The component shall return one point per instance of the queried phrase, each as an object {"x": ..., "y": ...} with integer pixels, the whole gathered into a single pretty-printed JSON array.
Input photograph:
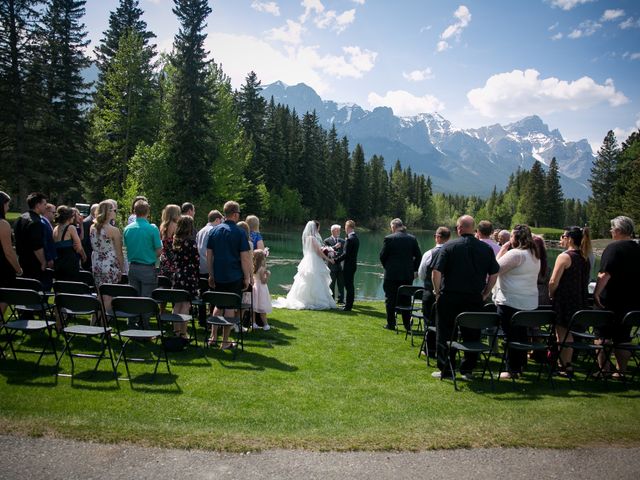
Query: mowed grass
[{"x": 318, "y": 381}]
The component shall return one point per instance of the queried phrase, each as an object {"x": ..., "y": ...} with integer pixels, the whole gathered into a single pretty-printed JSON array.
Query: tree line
[{"x": 171, "y": 127}]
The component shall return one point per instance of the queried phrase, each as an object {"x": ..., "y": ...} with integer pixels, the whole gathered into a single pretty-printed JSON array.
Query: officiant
[{"x": 335, "y": 269}]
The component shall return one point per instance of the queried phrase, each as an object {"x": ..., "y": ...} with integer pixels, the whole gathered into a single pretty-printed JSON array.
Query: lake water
[{"x": 286, "y": 252}]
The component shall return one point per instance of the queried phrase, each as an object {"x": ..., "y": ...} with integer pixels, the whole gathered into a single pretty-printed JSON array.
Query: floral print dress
[
  {"x": 103, "y": 258},
  {"x": 187, "y": 266},
  {"x": 167, "y": 258}
]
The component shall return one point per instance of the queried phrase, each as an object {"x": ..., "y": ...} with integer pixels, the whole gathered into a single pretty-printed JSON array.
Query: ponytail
[{"x": 585, "y": 245}]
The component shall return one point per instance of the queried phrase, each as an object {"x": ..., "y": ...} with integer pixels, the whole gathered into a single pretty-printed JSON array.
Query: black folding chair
[
  {"x": 583, "y": 327},
  {"x": 32, "y": 303},
  {"x": 198, "y": 305},
  {"x": 117, "y": 290},
  {"x": 164, "y": 281},
  {"x": 139, "y": 306},
  {"x": 33, "y": 284},
  {"x": 86, "y": 276},
  {"x": 226, "y": 301},
  {"x": 76, "y": 325},
  {"x": 631, "y": 320},
  {"x": 417, "y": 318},
  {"x": 539, "y": 324},
  {"x": 173, "y": 296},
  {"x": 429, "y": 331},
  {"x": 406, "y": 303},
  {"x": 73, "y": 288},
  {"x": 483, "y": 322}
]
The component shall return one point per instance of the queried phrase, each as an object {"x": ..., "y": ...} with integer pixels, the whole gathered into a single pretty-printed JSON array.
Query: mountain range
[{"x": 467, "y": 161}]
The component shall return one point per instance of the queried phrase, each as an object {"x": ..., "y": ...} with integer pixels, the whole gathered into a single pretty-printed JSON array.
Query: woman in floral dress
[
  {"x": 106, "y": 242},
  {"x": 170, "y": 216},
  {"x": 187, "y": 266}
]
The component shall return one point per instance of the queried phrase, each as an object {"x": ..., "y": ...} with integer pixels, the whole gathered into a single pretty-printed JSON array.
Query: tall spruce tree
[
  {"x": 531, "y": 207},
  {"x": 67, "y": 94},
  {"x": 125, "y": 115},
  {"x": 628, "y": 178},
  {"x": 554, "y": 197},
  {"x": 127, "y": 17},
  {"x": 603, "y": 184},
  {"x": 358, "y": 191},
  {"x": 18, "y": 44},
  {"x": 189, "y": 133}
]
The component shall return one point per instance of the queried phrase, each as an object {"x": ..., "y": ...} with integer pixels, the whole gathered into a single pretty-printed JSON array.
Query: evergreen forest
[{"x": 171, "y": 127}]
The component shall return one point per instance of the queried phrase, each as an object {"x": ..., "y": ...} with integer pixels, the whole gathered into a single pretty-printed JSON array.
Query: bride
[{"x": 310, "y": 290}]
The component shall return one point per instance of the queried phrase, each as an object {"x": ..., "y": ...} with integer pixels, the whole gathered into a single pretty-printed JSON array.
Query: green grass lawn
[{"x": 320, "y": 381}]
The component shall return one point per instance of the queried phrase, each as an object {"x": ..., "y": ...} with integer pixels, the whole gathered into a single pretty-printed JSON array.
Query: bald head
[{"x": 466, "y": 225}]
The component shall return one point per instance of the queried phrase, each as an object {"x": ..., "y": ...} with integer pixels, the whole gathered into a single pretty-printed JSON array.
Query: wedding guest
[
  {"x": 261, "y": 296},
  {"x": 69, "y": 251},
  {"x": 568, "y": 287},
  {"x": 425, "y": 270},
  {"x": 335, "y": 269},
  {"x": 77, "y": 223},
  {"x": 483, "y": 233},
  {"x": 50, "y": 255},
  {"x": 617, "y": 288},
  {"x": 132, "y": 216},
  {"x": 516, "y": 290},
  {"x": 86, "y": 239},
  {"x": 400, "y": 257},
  {"x": 29, "y": 236},
  {"x": 187, "y": 208},
  {"x": 254, "y": 227},
  {"x": 107, "y": 263},
  {"x": 349, "y": 259},
  {"x": 168, "y": 224},
  {"x": 187, "y": 267},
  {"x": 214, "y": 218},
  {"x": 9, "y": 265},
  {"x": 503, "y": 237}
]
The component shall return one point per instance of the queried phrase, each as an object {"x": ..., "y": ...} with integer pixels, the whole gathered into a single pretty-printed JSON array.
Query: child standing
[{"x": 261, "y": 296}]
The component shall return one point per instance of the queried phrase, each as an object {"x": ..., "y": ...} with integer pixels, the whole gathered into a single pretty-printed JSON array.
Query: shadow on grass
[
  {"x": 366, "y": 310},
  {"x": 249, "y": 360},
  {"x": 22, "y": 372},
  {"x": 149, "y": 383}
]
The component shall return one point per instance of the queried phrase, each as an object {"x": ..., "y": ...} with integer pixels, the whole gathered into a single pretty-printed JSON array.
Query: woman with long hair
[
  {"x": 516, "y": 290},
  {"x": 568, "y": 287},
  {"x": 68, "y": 245},
  {"x": 107, "y": 259},
  {"x": 9, "y": 266},
  {"x": 187, "y": 266},
  {"x": 169, "y": 221}
]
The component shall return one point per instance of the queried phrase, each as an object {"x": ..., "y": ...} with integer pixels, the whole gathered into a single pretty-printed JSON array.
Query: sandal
[
  {"x": 211, "y": 342},
  {"x": 567, "y": 371},
  {"x": 228, "y": 346}
]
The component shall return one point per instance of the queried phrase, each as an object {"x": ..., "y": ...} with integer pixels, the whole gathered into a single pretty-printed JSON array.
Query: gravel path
[{"x": 47, "y": 458}]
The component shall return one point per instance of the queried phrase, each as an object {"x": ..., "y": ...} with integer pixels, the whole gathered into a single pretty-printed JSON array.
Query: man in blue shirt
[{"x": 228, "y": 261}]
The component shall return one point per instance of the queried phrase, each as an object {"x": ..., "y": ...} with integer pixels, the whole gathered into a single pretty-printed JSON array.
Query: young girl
[{"x": 261, "y": 296}]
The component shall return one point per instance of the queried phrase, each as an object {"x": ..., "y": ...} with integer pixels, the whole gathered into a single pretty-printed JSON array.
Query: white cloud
[
  {"x": 404, "y": 103},
  {"x": 267, "y": 7},
  {"x": 240, "y": 54},
  {"x": 453, "y": 31},
  {"x": 359, "y": 2},
  {"x": 553, "y": 27},
  {"x": 557, "y": 36},
  {"x": 290, "y": 33},
  {"x": 585, "y": 29},
  {"x": 354, "y": 63},
  {"x": 419, "y": 75},
  {"x": 611, "y": 14},
  {"x": 425, "y": 29},
  {"x": 623, "y": 133},
  {"x": 630, "y": 23},
  {"x": 311, "y": 6},
  {"x": 631, "y": 56},
  {"x": 331, "y": 19},
  {"x": 519, "y": 93},
  {"x": 568, "y": 4}
]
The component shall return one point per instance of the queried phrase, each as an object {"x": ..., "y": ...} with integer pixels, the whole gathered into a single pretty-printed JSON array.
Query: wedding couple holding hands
[{"x": 313, "y": 285}]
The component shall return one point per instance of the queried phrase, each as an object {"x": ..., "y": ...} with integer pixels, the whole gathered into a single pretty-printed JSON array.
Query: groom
[{"x": 350, "y": 258}]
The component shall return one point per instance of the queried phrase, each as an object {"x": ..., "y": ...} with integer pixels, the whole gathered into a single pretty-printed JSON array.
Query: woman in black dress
[
  {"x": 186, "y": 260},
  {"x": 9, "y": 266},
  {"x": 568, "y": 286}
]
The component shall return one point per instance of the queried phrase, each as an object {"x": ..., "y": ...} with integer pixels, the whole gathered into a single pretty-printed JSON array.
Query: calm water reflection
[{"x": 286, "y": 253}]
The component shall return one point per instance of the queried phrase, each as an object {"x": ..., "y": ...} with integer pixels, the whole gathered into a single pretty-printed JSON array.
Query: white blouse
[{"x": 517, "y": 285}]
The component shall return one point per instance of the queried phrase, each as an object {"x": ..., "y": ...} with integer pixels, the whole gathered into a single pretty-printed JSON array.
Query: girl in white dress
[
  {"x": 261, "y": 296},
  {"x": 310, "y": 290}
]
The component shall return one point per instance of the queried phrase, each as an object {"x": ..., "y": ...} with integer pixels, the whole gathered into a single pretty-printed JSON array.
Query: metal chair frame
[{"x": 225, "y": 301}]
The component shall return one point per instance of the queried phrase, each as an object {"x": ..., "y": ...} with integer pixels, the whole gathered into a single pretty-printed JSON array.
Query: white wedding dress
[{"x": 310, "y": 289}]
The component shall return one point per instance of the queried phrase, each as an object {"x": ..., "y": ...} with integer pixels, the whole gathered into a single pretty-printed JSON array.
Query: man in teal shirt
[{"x": 142, "y": 240}]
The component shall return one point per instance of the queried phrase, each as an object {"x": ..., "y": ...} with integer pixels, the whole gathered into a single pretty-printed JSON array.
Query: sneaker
[
  {"x": 467, "y": 376},
  {"x": 256, "y": 326},
  {"x": 439, "y": 374},
  {"x": 266, "y": 328}
]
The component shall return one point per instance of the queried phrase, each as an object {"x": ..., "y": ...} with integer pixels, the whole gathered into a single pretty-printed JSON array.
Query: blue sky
[{"x": 576, "y": 63}]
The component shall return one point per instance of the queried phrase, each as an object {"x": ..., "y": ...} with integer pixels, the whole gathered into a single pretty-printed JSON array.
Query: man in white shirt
[
  {"x": 214, "y": 218},
  {"x": 483, "y": 233},
  {"x": 427, "y": 263}
]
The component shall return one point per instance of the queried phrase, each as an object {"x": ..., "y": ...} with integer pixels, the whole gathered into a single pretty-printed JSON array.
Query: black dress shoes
[
  {"x": 388, "y": 327},
  {"x": 346, "y": 309}
]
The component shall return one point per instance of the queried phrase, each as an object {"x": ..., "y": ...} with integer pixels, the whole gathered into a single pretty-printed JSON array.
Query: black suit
[
  {"x": 350, "y": 259},
  {"x": 400, "y": 256},
  {"x": 335, "y": 269},
  {"x": 86, "y": 241}
]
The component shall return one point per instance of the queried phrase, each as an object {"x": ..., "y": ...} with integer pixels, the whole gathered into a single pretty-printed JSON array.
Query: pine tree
[
  {"x": 124, "y": 19},
  {"x": 531, "y": 206},
  {"x": 603, "y": 184},
  {"x": 124, "y": 116},
  {"x": 18, "y": 43},
  {"x": 628, "y": 181},
  {"x": 67, "y": 95},
  {"x": 189, "y": 132},
  {"x": 554, "y": 198},
  {"x": 358, "y": 192}
]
